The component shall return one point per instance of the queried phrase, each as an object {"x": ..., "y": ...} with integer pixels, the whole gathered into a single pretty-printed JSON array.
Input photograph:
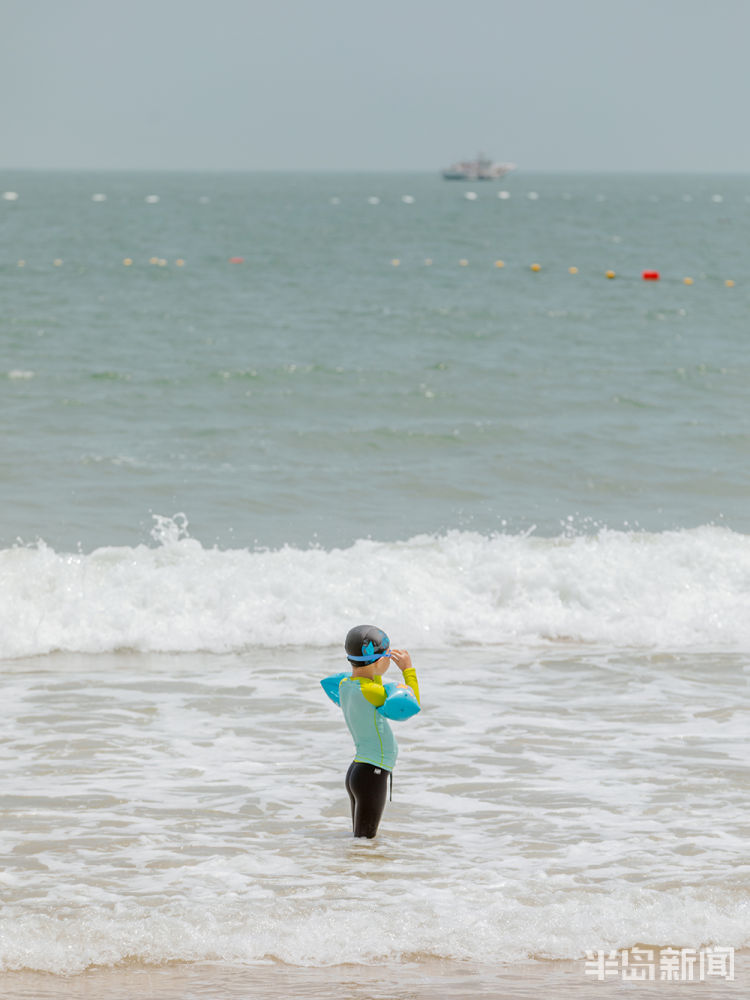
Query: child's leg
[
  {"x": 347, "y": 781},
  {"x": 368, "y": 788}
]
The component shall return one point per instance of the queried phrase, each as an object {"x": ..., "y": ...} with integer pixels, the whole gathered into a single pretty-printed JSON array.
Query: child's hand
[{"x": 401, "y": 658}]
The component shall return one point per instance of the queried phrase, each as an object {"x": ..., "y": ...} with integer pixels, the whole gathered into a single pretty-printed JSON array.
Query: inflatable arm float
[{"x": 399, "y": 703}]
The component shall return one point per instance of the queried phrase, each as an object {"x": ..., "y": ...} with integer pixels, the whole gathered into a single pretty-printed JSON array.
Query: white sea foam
[
  {"x": 547, "y": 801},
  {"x": 676, "y": 589},
  {"x": 483, "y": 927}
]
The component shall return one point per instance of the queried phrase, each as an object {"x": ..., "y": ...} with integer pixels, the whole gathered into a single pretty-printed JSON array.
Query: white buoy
[
  {"x": 471, "y": 196},
  {"x": 408, "y": 199},
  {"x": 373, "y": 200},
  {"x": 98, "y": 197},
  {"x": 152, "y": 199},
  {"x": 504, "y": 195},
  {"x": 10, "y": 195},
  {"x": 533, "y": 196}
]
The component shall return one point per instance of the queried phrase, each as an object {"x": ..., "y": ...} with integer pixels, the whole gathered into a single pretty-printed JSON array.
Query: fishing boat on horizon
[{"x": 481, "y": 169}]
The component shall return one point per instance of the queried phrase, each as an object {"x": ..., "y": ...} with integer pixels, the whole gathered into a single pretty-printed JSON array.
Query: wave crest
[{"x": 674, "y": 589}]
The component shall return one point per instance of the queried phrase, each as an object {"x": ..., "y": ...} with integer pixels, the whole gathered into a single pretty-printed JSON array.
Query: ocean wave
[
  {"x": 676, "y": 589},
  {"x": 422, "y": 924}
]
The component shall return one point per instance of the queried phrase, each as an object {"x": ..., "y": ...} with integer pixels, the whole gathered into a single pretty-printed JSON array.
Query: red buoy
[
  {"x": 650, "y": 275},
  {"x": 236, "y": 260}
]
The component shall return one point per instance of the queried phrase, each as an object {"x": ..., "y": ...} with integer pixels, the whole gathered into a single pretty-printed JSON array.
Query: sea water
[{"x": 243, "y": 417}]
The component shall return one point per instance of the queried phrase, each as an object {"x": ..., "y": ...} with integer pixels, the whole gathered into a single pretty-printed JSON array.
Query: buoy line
[
  {"x": 649, "y": 275},
  {"x": 471, "y": 197}
]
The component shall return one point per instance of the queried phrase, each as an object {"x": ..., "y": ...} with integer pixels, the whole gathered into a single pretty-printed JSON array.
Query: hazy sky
[{"x": 392, "y": 84}]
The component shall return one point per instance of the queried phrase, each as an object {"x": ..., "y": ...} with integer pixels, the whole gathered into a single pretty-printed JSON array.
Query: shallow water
[
  {"x": 162, "y": 808},
  {"x": 417, "y": 980}
]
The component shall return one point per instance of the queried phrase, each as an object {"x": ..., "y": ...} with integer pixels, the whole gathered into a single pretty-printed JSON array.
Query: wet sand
[{"x": 414, "y": 981}]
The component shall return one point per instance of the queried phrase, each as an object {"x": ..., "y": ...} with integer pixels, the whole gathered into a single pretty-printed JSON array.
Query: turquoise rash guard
[{"x": 373, "y": 737}]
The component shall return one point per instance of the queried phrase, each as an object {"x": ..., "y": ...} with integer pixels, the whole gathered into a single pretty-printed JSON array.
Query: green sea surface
[{"x": 350, "y": 377}]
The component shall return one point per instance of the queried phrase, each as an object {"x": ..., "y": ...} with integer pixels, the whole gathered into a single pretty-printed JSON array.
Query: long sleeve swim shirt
[{"x": 360, "y": 697}]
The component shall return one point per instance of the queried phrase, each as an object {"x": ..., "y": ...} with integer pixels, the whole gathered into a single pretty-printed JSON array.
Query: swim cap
[{"x": 365, "y": 644}]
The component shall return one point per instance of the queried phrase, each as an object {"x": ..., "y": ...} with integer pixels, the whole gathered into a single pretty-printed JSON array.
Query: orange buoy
[
  {"x": 236, "y": 260},
  {"x": 650, "y": 275}
]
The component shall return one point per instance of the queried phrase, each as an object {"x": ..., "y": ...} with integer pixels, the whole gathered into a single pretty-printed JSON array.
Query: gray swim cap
[{"x": 366, "y": 644}]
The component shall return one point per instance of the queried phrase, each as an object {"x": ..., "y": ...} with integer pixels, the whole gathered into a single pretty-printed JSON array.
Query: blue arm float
[
  {"x": 331, "y": 686},
  {"x": 400, "y": 702}
]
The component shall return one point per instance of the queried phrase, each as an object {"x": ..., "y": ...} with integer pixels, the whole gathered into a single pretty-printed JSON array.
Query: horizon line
[{"x": 431, "y": 171}]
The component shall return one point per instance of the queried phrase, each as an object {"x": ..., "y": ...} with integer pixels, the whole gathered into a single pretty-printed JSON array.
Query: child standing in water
[{"x": 375, "y": 748}]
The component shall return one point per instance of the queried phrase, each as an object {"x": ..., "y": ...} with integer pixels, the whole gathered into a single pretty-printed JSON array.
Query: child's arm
[
  {"x": 373, "y": 690},
  {"x": 331, "y": 686},
  {"x": 403, "y": 661}
]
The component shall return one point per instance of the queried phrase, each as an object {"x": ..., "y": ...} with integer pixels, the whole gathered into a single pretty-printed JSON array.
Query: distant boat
[{"x": 481, "y": 169}]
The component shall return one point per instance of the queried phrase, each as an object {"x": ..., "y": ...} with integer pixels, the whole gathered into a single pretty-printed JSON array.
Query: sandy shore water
[
  {"x": 419, "y": 980},
  {"x": 156, "y": 818}
]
